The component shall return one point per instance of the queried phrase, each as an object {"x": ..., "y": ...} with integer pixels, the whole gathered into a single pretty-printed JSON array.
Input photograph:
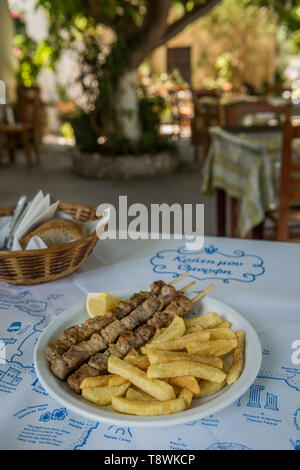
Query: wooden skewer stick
[
  {"x": 187, "y": 286},
  {"x": 202, "y": 294},
  {"x": 178, "y": 279}
]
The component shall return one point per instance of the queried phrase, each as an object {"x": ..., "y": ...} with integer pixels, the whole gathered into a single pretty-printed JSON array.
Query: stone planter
[{"x": 125, "y": 167}]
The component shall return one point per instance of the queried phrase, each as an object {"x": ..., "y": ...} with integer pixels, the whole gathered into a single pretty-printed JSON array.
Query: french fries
[
  {"x": 182, "y": 368},
  {"x": 224, "y": 324},
  {"x": 156, "y": 388},
  {"x": 209, "y": 320},
  {"x": 142, "y": 362},
  {"x": 116, "y": 380},
  {"x": 156, "y": 356},
  {"x": 175, "y": 330},
  {"x": 99, "y": 381},
  {"x": 187, "y": 382},
  {"x": 238, "y": 359},
  {"x": 209, "y": 388},
  {"x": 144, "y": 408},
  {"x": 221, "y": 333},
  {"x": 187, "y": 397},
  {"x": 218, "y": 347},
  {"x": 178, "y": 344},
  {"x": 194, "y": 329},
  {"x": 103, "y": 395},
  {"x": 133, "y": 394},
  {"x": 181, "y": 362}
]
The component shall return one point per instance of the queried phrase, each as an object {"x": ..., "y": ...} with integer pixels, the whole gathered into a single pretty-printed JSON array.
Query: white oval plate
[{"x": 200, "y": 408}]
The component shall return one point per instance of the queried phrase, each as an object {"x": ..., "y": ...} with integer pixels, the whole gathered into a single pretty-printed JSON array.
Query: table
[
  {"x": 259, "y": 279},
  {"x": 247, "y": 167},
  {"x": 210, "y": 111}
]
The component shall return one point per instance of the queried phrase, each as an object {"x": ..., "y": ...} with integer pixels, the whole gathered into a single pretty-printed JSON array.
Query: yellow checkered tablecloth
[{"x": 246, "y": 166}]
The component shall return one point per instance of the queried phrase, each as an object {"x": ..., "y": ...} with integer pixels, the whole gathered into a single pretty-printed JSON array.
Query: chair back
[
  {"x": 230, "y": 115},
  {"x": 28, "y": 103},
  {"x": 203, "y": 117},
  {"x": 289, "y": 180},
  {"x": 199, "y": 94}
]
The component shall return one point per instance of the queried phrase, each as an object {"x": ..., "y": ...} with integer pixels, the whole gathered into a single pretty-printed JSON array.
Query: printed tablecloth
[
  {"x": 246, "y": 167},
  {"x": 259, "y": 279}
]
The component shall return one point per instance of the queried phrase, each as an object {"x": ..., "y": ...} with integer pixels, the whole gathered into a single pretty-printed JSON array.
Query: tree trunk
[{"x": 127, "y": 106}]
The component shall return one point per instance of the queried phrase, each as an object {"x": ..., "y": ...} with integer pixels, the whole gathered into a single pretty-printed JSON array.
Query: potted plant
[{"x": 65, "y": 105}]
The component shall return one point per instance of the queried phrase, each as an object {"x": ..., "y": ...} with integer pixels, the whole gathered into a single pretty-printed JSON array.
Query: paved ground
[{"x": 55, "y": 176}]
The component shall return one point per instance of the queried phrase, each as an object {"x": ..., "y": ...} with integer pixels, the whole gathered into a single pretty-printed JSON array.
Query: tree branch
[
  {"x": 98, "y": 15},
  {"x": 154, "y": 26},
  {"x": 179, "y": 25}
]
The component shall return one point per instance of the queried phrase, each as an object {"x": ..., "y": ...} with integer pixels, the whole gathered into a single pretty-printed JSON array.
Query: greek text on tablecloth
[{"x": 209, "y": 263}]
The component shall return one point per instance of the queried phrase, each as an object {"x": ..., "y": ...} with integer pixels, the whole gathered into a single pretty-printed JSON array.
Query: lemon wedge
[{"x": 100, "y": 303}]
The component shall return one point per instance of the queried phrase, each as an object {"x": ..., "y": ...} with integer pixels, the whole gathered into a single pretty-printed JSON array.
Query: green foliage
[
  {"x": 32, "y": 56},
  {"x": 101, "y": 70},
  {"x": 100, "y": 74},
  {"x": 151, "y": 108},
  {"x": 288, "y": 12},
  {"x": 239, "y": 34},
  {"x": 63, "y": 93},
  {"x": 66, "y": 130},
  {"x": 86, "y": 130}
]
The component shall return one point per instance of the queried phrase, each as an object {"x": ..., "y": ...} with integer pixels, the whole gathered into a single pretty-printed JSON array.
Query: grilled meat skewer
[
  {"x": 97, "y": 364},
  {"x": 77, "y": 334},
  {"x": 79, "y": 353}
]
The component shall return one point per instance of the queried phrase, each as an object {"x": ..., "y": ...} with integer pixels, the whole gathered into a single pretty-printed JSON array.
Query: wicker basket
[{"x": 27, "y": 267}]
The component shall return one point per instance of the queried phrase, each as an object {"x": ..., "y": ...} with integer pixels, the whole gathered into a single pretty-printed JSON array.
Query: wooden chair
[
  {"x": 21, "y": 134},
  {"x": 287, "y": 217},
  {"x": 201, "y": 121},
  {"x": 230, "y": 116}
]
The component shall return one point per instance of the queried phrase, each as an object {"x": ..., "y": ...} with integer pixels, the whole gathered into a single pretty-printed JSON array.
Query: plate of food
[{"x": 151, "y": 359}]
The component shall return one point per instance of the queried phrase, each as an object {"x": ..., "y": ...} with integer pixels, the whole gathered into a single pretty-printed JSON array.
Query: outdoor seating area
[
  {"x": 187, "y": 126},
  {"x": 149, "y": 227},
  {"x": 256, "y": 154}
]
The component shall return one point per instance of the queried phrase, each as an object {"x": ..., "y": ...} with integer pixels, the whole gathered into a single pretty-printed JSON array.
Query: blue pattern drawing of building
[
  {"x": 10, "y": 377},
  {"x": 271, "y": 402},
  {"x": 254, "y": 396}
]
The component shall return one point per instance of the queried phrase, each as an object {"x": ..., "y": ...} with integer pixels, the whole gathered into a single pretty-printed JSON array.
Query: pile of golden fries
[{"x": 195, "y": 357}]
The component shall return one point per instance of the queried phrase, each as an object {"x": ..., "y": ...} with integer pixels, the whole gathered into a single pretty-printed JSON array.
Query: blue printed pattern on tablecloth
[
  {"x": 42, "y": 423},
  {"x": 209, "y": 263}
]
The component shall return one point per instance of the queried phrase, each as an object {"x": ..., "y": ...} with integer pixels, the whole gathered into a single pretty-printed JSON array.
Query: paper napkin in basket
[{"x": 39, "y": 210}]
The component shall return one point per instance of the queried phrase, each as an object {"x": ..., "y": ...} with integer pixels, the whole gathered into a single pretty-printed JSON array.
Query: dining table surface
[{"x": 259, "y": 279}]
